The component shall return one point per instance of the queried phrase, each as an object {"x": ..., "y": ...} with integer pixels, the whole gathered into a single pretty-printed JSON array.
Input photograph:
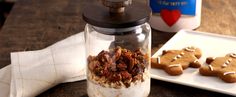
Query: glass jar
[
  {"x": 118, "y": 48},
  {"x": 118, "y": 61}
]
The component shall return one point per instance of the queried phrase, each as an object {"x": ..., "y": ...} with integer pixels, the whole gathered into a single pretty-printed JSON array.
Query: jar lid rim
[{"x": 98, "y": 15}]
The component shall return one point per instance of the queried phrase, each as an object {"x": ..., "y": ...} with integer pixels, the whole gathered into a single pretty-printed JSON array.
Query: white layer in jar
[{"x": 136, "y": 89}]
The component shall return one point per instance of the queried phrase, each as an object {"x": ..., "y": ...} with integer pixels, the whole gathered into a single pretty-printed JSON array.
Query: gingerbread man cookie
[
  {"x": 175, "y": 61},
  {"x": 223, "y": 67}
]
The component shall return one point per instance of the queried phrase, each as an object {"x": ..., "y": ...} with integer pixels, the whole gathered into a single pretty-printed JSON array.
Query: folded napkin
[{"x": 33, "y": 72}]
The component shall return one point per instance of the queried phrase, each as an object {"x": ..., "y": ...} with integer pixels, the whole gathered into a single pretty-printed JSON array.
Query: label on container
[{"x": 185, "y": 7}]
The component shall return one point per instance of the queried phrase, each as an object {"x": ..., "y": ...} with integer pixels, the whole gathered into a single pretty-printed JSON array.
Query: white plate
[{"x": 212, "y": 45}]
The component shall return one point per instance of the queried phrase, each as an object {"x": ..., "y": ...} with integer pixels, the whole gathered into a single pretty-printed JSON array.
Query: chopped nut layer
[{"x": 118, "y": 66}]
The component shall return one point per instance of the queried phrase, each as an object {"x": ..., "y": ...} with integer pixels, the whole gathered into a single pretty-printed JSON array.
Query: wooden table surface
[{"x": 36, "y": 24}]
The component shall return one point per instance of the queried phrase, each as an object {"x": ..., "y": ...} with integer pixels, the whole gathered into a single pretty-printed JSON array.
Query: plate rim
[{"x": 184, "y": 31}]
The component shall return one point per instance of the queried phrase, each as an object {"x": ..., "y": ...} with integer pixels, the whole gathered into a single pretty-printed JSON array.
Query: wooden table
[{"x": 36, "y": 24}]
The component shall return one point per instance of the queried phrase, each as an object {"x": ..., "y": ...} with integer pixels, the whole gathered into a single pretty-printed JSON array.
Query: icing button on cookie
[
  {"x": 177, "y": 57},
  {"x": 226, "y": 63}
]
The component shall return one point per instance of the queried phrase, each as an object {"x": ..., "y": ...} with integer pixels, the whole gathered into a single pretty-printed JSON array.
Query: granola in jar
[{"x": 120, "y": 70}]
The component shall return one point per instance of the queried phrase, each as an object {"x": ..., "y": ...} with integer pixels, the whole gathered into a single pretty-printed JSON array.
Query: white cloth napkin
[{"x": 33, "y": 72}]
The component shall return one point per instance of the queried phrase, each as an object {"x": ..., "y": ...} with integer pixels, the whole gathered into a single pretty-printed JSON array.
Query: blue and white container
[{"x": 174, "y": 15}]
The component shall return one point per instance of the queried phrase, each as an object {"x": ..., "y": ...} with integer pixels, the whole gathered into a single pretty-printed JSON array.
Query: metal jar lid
[{"x": 116, "y": 14}]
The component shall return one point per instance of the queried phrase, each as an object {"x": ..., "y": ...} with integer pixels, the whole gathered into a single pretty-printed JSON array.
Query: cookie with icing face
[
  {"x": 175, "y": 61},
  {"x": 223, "y": 67}
]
